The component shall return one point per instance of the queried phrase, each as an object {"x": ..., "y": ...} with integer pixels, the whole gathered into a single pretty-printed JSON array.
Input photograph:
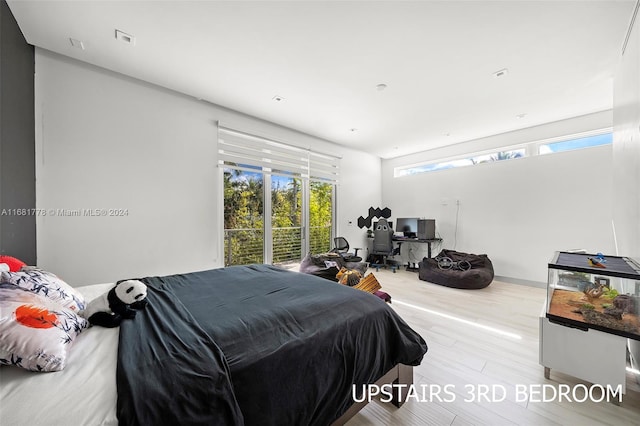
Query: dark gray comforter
[{"x": 254, "y": 345}]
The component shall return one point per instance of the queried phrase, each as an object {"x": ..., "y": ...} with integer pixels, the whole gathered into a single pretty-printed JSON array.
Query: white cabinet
[{"x": 597, "y": 357}]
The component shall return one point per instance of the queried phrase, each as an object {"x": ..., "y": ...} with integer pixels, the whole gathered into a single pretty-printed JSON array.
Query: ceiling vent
[{"x": 125, "y": 38}]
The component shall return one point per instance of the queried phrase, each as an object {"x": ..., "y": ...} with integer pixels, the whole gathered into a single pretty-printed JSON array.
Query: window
[
  {"x": 278, "y": 199},
  {"x": 578, "y": 143},
  {"x": 321, "y": 208},
  {"x": 460, "y": 162},
  {"x": 243, "y": 217},
  {"x": 561, "y": 144}
]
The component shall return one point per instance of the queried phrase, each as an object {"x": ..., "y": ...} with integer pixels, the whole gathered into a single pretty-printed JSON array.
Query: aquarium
[{"x": 598, "y": 292}]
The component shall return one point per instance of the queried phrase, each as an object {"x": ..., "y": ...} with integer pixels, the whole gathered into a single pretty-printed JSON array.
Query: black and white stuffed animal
[{"x": 121, "y": 302}]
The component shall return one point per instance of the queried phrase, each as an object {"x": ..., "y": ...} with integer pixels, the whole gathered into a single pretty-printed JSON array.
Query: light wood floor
[{"x": 466, "y": 357}]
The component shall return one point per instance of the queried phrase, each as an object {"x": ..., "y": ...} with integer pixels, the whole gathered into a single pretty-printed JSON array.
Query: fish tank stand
[
  {"x": 591, "y": 355},
  {"x": 592, "y": 308}
]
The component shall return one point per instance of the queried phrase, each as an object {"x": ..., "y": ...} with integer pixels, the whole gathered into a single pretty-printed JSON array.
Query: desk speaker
[{"x": 426, "y": 229}]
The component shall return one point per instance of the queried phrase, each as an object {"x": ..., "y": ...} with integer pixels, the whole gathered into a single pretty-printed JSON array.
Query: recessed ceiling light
[
  {"x": 76, "y": 43},
  {"x": 278, "y": 98},
  {"x": 501, "y": 73},
  {"x": 125, "y": 38},
  {"x": 380, "y": 87}
]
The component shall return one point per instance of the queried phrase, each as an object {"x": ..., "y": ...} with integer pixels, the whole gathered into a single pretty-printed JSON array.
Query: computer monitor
[{"x": 408, "y": 226}]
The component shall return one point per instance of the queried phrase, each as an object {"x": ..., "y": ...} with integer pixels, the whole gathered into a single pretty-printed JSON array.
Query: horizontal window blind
[
  {"x": 323, "y": 167},
  {"x": 249, "y": 152}
]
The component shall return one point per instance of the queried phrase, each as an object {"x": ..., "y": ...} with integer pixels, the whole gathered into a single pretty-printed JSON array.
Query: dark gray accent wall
[{"x": 17, "y": 141}]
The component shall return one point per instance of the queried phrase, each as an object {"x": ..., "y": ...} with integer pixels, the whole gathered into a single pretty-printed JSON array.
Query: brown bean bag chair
[{"x": 478, "y": 276}]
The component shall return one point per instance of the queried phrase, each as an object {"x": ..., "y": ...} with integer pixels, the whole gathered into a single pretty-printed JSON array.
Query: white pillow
[
  {"x": 37, "y": 332},
  {"x": 46, "y": 284}
]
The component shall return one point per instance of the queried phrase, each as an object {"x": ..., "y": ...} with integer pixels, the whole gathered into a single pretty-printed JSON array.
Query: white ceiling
[{"x": 325, "y": 58}]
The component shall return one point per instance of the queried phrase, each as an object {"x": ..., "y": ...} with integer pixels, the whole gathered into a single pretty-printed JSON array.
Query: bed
[{"x": 238, "y": 345}]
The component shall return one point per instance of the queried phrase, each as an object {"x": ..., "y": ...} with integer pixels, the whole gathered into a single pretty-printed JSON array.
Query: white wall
[
  {"x": 360, "y": 177},
  {"x": 106, "y": 141},
  {"x": 626, "y": 148},
  {"x": 518, "y": 212},
  {"x": 626, "y": 156}
]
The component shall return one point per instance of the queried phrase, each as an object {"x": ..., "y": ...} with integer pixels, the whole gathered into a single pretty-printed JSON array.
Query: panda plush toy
[{"x": 120, "y": 302}]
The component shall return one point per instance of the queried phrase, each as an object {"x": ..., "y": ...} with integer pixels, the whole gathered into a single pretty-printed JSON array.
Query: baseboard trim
[{"x": 519, "y": 281}]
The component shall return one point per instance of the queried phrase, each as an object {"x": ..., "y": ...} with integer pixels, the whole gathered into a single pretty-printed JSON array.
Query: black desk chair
[
  {"x": 383, "y": 245},
  {"x": 342, "y": 248}
]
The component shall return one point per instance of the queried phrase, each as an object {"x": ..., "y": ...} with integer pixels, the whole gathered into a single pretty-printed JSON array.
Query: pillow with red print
[{"x": 37, "y": 332}]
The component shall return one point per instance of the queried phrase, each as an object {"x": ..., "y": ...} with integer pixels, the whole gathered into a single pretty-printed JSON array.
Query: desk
[
  {"x": 428, "y": 242},
  {"x": 400, "y": 240},
  {"x": 415, "y": 240}
]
